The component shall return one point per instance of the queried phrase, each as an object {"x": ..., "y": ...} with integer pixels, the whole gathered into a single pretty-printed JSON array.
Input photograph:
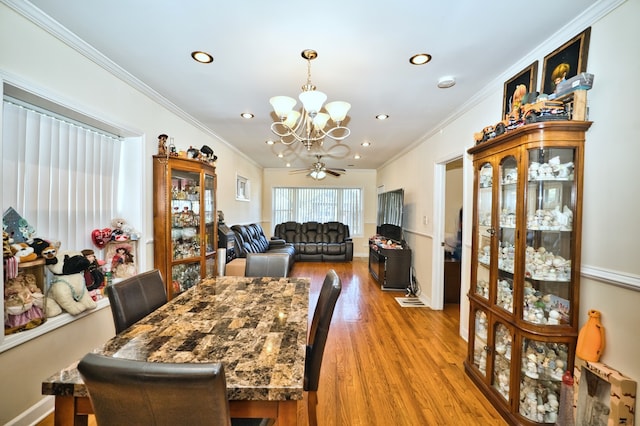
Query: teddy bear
[{"x": 67, "y": 290}]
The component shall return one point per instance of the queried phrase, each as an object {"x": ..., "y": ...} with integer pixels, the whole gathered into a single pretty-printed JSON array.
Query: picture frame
[
  {"x": 574, "y": 54},
  {"x": 528, "y": 77},
  {"x": 242, "y": 188}
]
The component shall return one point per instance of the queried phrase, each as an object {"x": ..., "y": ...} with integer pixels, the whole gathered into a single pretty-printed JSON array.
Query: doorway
[{"x": 452, "y": 242}]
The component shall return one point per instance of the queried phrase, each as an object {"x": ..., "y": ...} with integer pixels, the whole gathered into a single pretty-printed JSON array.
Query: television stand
[{"x": 390, "y": 263}]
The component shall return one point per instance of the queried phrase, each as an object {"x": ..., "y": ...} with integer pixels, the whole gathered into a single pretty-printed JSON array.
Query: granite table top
[{"x": 257, "y": 327}]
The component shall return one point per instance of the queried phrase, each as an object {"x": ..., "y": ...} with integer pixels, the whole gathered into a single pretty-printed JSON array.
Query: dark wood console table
[{"x": 390, "y": 264}]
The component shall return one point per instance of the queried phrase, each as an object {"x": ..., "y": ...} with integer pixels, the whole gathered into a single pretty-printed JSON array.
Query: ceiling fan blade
[
  {"x": 331, "y": 172},
  {"x": 299, "y": 171},
  {"x": 336, "y": 169}
]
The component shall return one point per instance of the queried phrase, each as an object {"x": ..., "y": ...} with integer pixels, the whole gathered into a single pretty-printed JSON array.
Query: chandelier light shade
[{"x": 308, "y": 125}]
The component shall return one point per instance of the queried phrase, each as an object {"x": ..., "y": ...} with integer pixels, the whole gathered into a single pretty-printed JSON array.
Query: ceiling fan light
[
  {"x": 312, "y": 100},
  {"x": 282, "y": 105},
  {"x": 292, "y": 119},
  {"x": 337, "y": 110},
  {"x": 320, "y": 120},
  {"x": 321, "y": 175}
]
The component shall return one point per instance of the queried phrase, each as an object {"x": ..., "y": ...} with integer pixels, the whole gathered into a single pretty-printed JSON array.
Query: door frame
[{"x": 439, "y": 194}]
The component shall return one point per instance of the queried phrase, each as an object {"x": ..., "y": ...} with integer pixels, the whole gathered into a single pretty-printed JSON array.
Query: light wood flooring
[{"x": 388, "y": 365}]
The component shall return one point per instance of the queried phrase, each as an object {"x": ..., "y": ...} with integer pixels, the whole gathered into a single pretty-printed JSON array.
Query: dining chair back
[
  {"x": 131, "y": 392},
  {"x": 136, "y": 297},
  {"x": 331, "y": 288},
  {"x": 267, "y": 265}
]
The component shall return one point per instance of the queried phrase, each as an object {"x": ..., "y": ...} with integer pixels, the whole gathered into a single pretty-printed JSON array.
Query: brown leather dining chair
[
  {"x": 128, "y": 392},
  {"x": 267, "y": 265},
  {"x": 318, "y": 333},
  {"x": 136, "y": 297}
]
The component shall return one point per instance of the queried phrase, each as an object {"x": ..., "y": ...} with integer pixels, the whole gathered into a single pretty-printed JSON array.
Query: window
[
  {"x": 319, "y": 205},
  {"x": 64, "y": 175}
]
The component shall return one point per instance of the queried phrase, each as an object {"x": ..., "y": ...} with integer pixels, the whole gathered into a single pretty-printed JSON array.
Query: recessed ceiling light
[
  {"x": 280, "y": 155},
  {"x": 246, "y": 115},
  {"x": 270, "y": 142},
  {"x": 420, "y": 59},
  {"x": 356, "y": 157},
  {"x": 382, "y": 116},
  {"x": 365, "y": 144},
  {"x": 446, "y": 82},
  {"x": 288, "y": 164},
  {"x": 202, "y": 57}
]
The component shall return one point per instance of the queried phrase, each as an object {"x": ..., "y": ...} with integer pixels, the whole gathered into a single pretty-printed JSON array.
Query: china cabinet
[
  {"x": 525, "y": 267},
  {"x": 184, "y": 221}
]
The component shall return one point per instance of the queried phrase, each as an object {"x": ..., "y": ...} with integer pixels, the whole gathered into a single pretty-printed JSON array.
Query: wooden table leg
[
  {"x": 66, "y": 413},
  {"x": 287, "y": 413}
]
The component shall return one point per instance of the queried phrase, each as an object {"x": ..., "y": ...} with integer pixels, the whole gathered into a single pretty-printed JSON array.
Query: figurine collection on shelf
[
  {"x": 502, "y": 361},
  {"x": 543, "y": 365},
  {"x": 185, "y": 276},
  {"x": 480, "y": 353}
]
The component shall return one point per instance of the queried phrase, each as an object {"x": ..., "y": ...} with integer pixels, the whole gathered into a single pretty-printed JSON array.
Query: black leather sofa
[
  {"x": 314, "y": 241},
  {"x": 251, "y": 239}
]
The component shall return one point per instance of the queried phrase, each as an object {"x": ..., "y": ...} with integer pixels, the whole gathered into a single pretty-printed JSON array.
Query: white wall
[
  {"x": 58, "y": 72},
  {"x": 610, "y": 204}
]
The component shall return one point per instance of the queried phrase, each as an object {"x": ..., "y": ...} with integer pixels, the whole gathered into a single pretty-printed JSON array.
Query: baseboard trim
[{"x": 36, "y": 413}]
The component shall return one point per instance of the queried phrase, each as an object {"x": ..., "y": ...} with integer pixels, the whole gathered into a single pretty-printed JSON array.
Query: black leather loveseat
[
  {"x": 314, "y": 241},
  {"x": 251, "y": 239}
]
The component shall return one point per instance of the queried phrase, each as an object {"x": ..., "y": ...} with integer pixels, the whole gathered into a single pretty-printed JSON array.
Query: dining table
[{"x": 255, "y": 326}]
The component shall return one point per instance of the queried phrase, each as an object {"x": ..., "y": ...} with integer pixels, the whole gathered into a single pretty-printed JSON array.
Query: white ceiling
[{"x": 363, "y": 49}]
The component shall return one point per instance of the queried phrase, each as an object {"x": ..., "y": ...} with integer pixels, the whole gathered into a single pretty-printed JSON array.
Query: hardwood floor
[{"x": 388, "y": 365}]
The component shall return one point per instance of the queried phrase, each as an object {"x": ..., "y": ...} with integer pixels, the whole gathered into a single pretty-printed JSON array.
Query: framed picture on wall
[
  {"x": 242, "y": 188},
  {"x": 518, "y": 86},
  {"x": 565, "y": 62}
]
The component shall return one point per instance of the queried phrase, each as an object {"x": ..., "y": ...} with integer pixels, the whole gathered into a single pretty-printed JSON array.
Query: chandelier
[{"x": 308, "y": 125}]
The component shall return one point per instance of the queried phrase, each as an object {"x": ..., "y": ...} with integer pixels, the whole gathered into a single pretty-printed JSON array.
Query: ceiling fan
[{"x": 319, "y": 170}]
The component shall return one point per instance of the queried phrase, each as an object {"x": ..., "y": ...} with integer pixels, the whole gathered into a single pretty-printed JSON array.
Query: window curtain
[
  {"x": 319, "y": 205},
  {"x": 61, "y": 177}
]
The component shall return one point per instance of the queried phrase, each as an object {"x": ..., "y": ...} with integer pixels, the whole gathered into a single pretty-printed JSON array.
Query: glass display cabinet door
[
  {"x": 550, "y": 203},
  {"x": 480, "y": 345},
  {"x": 506, "y": 232},
  {"x": 210, "y": 225},
  {"x": 185, "y": 214},
  {"x": 185, "y": 276},
  {"x": 485, "y": 230},
  {"x": 209, "y": 214},
  {"x": 502, "y": 339},
  {"x": 542, "y": 366}
]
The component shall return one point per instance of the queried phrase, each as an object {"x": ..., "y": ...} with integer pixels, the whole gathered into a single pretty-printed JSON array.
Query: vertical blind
[
  {"x": 63, "y": 177},
  {"x": 319, "y": 205}
]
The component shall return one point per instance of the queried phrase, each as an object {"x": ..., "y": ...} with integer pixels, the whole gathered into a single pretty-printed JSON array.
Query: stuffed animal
[
  {"x": 23, "y": 304},
  {"x": 6, "y": 246},
  {"x": 24, "y": 252},
  {"x": 67, "y": 290}
]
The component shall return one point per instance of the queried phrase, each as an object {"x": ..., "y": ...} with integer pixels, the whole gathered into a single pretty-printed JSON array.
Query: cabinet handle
[
  {"x": 487, "y": 349},
  {"x": 491, "y": 231}
]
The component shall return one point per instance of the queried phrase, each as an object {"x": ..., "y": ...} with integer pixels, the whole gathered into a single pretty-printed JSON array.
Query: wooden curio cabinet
[
  {"x": 184, "y": 221},
  {"x": 525, "y": 267}
]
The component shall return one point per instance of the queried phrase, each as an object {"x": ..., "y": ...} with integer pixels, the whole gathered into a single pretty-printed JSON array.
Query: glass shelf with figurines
[
  {"x": 542, "y": 366},
  {"x": 503, "y": 338},
  {"x": 185, "y": 276},
  {"x": 480, "y": 341}
]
